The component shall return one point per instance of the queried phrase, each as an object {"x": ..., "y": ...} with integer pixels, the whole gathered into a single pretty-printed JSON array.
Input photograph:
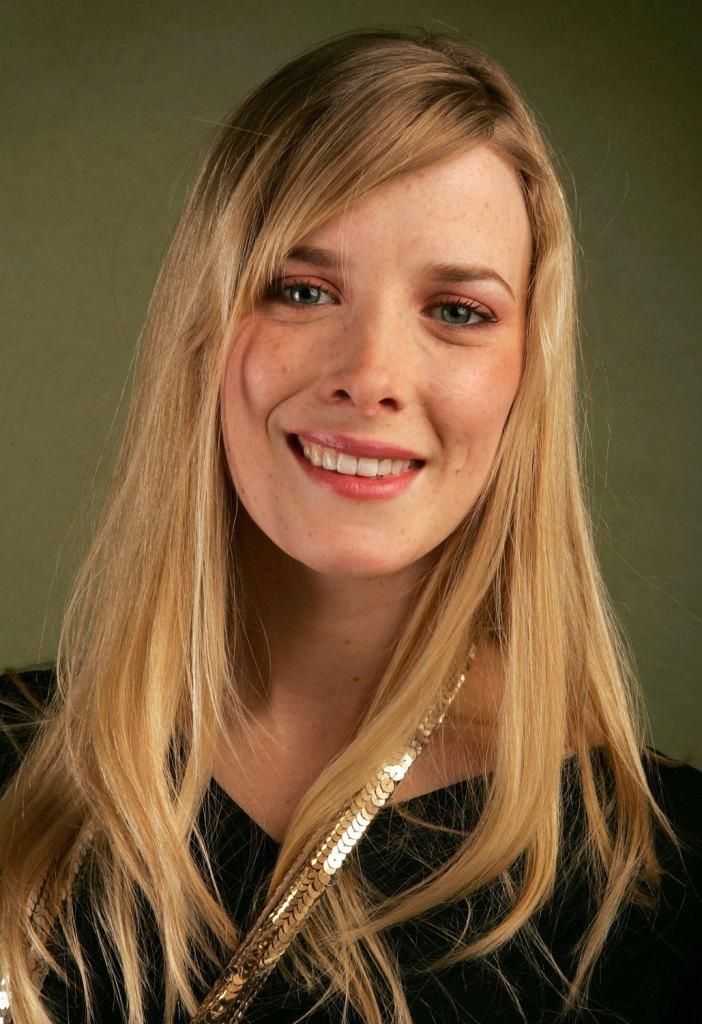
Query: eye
[
  {"x": 464, "y": 313},
  {"x": 306, "y": 291}
]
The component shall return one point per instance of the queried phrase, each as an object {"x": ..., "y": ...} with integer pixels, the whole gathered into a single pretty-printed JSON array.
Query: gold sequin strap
[
  {"x": 285, "y": 912},
  {"x": 43, "y": 909}
]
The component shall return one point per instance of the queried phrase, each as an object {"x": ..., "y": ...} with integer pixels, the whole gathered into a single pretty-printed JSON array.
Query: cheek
[
  {"x": 248, "y": 393},
  {"x": 253, "y": 375},
  {"x": 474, "y": 405},
  {"x": 257, "y": 378}
]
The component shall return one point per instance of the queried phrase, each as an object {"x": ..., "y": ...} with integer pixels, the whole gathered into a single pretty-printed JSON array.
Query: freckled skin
[{"x": 374, "y": 359}]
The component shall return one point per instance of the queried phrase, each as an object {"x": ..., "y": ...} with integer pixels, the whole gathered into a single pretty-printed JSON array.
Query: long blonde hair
[{"x": 153, "y": 633}]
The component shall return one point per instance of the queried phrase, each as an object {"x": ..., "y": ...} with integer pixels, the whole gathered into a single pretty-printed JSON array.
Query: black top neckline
[
  {"x": 439, "y": 794},
  {"x": 433, "y": 794}
]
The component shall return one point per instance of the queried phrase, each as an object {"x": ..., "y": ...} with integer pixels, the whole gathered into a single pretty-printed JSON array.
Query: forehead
[{"x": 469, "y": 207}]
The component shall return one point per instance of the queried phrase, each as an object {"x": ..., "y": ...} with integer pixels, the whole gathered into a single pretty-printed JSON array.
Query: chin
[{"x": 355, "y": 562}]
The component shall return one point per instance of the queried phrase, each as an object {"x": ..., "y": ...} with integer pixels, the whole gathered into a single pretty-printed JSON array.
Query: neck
[{"x": 319, "y": 642}]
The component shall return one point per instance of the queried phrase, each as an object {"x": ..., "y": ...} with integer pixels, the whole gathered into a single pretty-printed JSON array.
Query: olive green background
[{"x": 107, "y": 108}]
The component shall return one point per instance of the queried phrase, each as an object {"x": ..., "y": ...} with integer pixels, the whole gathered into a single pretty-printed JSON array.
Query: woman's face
[{"x": 375, "y": 340}]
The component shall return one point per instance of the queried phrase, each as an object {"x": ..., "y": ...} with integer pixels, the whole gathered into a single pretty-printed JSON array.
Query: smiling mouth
[{"x": 350, "y": 465}]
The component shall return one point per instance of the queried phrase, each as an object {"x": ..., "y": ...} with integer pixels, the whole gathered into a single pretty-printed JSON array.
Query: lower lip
[{"x": 363, "y": 487}]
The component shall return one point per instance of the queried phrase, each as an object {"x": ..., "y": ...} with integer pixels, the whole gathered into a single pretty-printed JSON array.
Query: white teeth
[
  {"x": 349, "y": 465},
  {"x": 329, "y": 459},
  {"x": 346, "y": 464}
]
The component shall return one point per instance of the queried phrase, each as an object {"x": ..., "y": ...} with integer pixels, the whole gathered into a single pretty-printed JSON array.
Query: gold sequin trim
[{"x": 42, "y": 912}]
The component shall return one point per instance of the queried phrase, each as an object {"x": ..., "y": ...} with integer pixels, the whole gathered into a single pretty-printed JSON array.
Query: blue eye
[
  {"x": 470, "y": 308},
  {"x": 279, "y": 288}
]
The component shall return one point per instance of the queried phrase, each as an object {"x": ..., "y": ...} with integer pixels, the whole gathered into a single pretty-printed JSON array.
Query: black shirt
[{"x": 647, "y": 973}]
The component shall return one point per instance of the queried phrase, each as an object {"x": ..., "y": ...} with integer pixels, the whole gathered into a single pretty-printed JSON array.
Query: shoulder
[
  {"x": 677, "y": 787},
  {"x": 24, "y": 696},
  {"x": 652, "y": 959},
  {"x": 675, "y": 784}
]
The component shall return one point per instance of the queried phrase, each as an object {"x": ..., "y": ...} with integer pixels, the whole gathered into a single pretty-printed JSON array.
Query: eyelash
[{"x": 275, "y": 291}]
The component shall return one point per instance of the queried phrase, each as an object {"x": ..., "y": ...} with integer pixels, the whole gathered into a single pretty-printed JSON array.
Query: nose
[{"x": 369, "y": 369}]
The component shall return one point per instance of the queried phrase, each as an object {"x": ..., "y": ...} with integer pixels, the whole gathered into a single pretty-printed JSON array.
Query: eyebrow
[{"x": 451, "y": 273}]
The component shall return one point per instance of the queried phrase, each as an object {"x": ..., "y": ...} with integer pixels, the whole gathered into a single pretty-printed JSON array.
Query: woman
[{"x": 349, "y": 492}]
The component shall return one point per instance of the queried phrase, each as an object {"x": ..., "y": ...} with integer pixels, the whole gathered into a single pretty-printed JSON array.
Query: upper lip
[{"x": 358, "y": 446}]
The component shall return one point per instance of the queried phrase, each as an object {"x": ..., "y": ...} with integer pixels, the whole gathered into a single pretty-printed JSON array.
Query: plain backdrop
[{"x": 106, "y": 112}]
